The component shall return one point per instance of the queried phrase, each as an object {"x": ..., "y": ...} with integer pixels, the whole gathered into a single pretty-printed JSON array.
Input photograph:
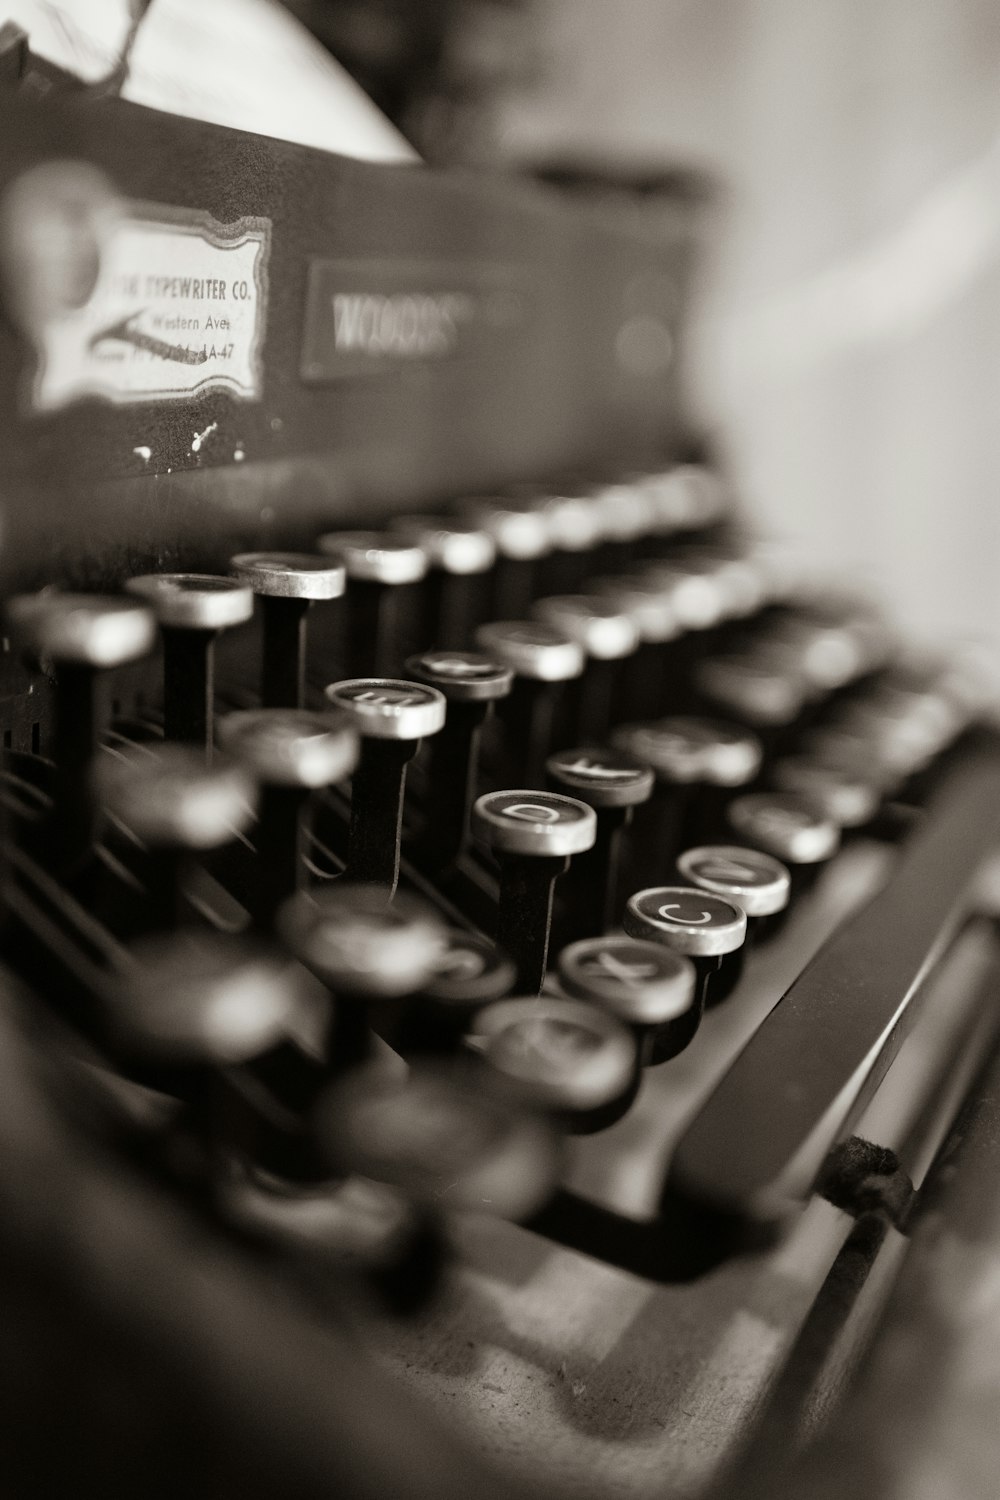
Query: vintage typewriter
[{"x": 497, "y": 956}]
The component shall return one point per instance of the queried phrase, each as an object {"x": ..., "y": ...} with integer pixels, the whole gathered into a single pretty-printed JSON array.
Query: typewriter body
[{"x": 309, "y": 1189}]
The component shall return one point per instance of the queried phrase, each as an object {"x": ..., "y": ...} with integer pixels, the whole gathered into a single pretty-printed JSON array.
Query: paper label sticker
[{"x": 179, "y": 308}]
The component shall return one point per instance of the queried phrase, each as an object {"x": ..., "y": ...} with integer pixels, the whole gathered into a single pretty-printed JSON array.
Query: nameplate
[{"x": 366, "y": 318}]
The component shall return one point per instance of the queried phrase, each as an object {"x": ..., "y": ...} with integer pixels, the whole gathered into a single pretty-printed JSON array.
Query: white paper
[{"x": 247, "y": 64}]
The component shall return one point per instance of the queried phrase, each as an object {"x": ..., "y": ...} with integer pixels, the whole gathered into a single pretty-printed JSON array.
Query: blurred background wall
[{"x": 849, "y": 325}]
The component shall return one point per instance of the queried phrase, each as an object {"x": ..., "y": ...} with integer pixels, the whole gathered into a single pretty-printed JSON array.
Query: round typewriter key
[
  {"x": 532, "y": 835},
  {"x": 642, "y": 687},
  {"x": 379, "y": 565},
  {"x": 199, "y": 1011},
  {"x": 692, "y": 496},
  {"x": 292, "y": 753},
  {"x": 844, "y": 748},
  {"x": 574, "y": 529},
  {"x": 191, "y": 608},
  {"x": 392, "y": 716},
  {"x": 647, "y": 986},
  {"x": 462, "y": 676},
  {"x": 747, "y": 877},
  {"x": 376, "y": 556},
  {"x": 370, "y": 954},
  {"x": 602, "y": 628},
  {"x": 356, "y": 1226},
  {"x": 696, "y": 597},
  {"x": 534, "y": 823},
  {"x": 389, "y": 708},
  {"x": 360, "y": 945},
  {"x": 571, "y": 1059},
  {"x": 742, "y": 577},
  {"x": 532, "y": 650},
  {"x": 207, "y": 998},
  {"x": 97, "y": 631},
  {"x": 470, "y": 973},
  {"x": 459, "y": 554},
  {"x": 698, "y": 763},
  {"x": 521, "y": 535},
  {"x": 518, "y": 528},
  {"x": 442, "y": 1137},
  {"x": 84, "y": 637},
  {"x": 649, "y": 606},
  {"x": 543, "y": 660},
  {"x": 608, "y": 635},
  {"x": 470, "y": 682},
  {"x": 848, "y": 800},
  {"x": 287, "y": 584},
  {"x": 791, "y": 828},
  {"x": 625, "y": 514},
  {"x": 166, "y": 795},
  {"x": 785, "y": 825},
  {"x": 826, "y": 656},
  {"x": 702, "y": 926},
  {"x": 177, "y": 807},
  {"x": 764, "y": 695},
  {"x": 292, "y": 747},
  {"x": 755, "y": 881},
  {"x": 451, "y": 545},
  {"x": 612, "y": 783}
]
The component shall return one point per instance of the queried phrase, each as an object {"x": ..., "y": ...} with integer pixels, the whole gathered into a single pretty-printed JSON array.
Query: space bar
[{"x": 757, "y": 1145}]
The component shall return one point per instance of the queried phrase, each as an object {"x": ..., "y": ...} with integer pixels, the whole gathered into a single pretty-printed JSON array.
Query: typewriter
[{"x": 498, "y": 956}]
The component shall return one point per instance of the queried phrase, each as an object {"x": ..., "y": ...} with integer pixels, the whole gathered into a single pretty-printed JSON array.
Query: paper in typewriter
[{"x": 246, "y": 64}]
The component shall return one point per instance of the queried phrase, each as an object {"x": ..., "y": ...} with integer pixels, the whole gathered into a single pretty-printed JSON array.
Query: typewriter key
[
  {"x": 177, "y": 807},
  {"x": 291, "y": 753},
  {"x": 607, "y": 635},
  {"x": 750, "y": 879},
  {"x": 642, "y": 687},
  {"x": 350, "y": 1226},
  {"x": 459, "y": 555},
  {"x": 825, "y": 655},
  {"x": 469, "y": 973},
  {"x": 765, "y": 695},
  {"x": 574, "y": 528},
  {"x": 740, "y": 577},
  {"x": 625, "y": 514},
  {"x": 566, "y": 1057},
  {"x": 521, "y": 536},
  {"x": 444, "y": 1137},
  {"x": 612, "y": 783},
  {"x": 84, "y": 637},
  {"x": 696, "y": 597},
  {"x": 698, "y": 763},
  {"x": 191, "y": 609},
  {"x": 692, "y": 495},
  {"x": 379, "y": 565},
  {"x": 645, "y": 985},
  {"x": 470, "y": 682},
  {"x": 846, "y": 799},
  {"x": 203, "y": 998},
  {"x": 287, "y": 584},
  {"x": 532, "y": 836},
  {"x": 370, "y": 954},
  {"x": 703, "y": 927},
  {"x": 543, "y": 660},
  {"x": 789, "y": 827},
  {"x": 199, "y": 1012},
  {"x": 392, "y": 717}
]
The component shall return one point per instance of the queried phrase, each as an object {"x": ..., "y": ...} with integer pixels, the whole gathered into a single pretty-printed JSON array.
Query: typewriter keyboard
[{"x": 536, "y": 931}]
